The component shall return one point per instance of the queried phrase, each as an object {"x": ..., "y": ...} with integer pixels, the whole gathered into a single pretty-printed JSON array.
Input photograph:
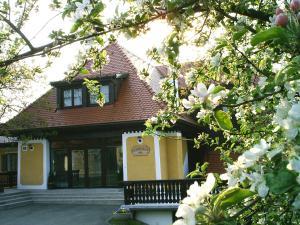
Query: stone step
[
  {"x": 15, "y": 204},
  {"x": 80, "y": 201},
  {"x": 79, "y": 190},
  {"x": 14, "y": 193},
  {"x": 78, "y": 193},
  {"x": 12, "y": 197},
  {"x": 14, "y": 200},
  {"x": 77, "y": 197}
]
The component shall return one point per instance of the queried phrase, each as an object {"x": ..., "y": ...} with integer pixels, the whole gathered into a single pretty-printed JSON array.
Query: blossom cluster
[
  {"x": 85, "y": 5},
  {"x": 288, "y": 117},
  {"x": 195, "y": 201},
  {"x": 237, "y": 172},
  {"x": 202, "y": 96}
]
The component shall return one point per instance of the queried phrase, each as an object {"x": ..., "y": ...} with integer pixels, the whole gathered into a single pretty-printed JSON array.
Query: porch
[{"x": 168, "y": 192}]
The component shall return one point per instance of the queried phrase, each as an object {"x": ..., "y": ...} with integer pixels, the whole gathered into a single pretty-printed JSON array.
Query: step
[
  {"x": 81, "y": 201},
  {"x": 11, "y": 197},
  {"x": 6, "y": 194},
  {"x": 15, "y": 204},
  {"x": 76, "y": 195},
  {"x": 89, "y": 190},
  {"x": 24, "y": 198}
]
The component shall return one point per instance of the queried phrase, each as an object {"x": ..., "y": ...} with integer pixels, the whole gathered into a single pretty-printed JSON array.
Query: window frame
[
  {"x": 110, "y": 97},
  {"x": 72, "y": 97}
]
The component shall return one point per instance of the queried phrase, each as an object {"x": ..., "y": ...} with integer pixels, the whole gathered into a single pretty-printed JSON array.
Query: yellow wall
[
  {"x": 163, "y": 158},
  {"x": 175, "y": 158},
  {"x": 172, "y": 154},
  {"x": 140, "y": 167},
  {"x": 32, "y": 166}
]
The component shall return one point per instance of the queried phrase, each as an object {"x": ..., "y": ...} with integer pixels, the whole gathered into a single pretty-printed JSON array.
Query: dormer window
[
  {"x": 75, "y": 94},
  {"x": 72, "y": 97},
  {"x": 104, "y": 90}
]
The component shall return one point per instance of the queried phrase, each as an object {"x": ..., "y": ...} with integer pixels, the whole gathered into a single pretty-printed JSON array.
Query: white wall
[{"x": 152, "y": 217}]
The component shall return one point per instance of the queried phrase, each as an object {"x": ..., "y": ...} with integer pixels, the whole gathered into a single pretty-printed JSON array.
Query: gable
[{"x": 133, "y": 103}]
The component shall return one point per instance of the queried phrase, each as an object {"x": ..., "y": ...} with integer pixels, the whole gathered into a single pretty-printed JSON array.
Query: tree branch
[
  {"x": 250, "y": 101},
  {"x": 18, "y": 31}
]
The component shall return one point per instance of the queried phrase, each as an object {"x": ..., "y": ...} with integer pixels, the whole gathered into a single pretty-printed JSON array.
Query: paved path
[{"x": 36, "y": 214}]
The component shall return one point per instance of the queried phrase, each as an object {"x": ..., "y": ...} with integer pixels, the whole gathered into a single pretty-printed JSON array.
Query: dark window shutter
[
  {"x": 59, "y": 98},
  {"x": 85, "y": 96}
]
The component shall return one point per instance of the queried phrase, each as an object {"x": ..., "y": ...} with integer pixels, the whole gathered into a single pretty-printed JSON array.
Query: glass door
[
  {"x": 95, "y": 175},
  {"x": 60, "y": 168},
  {"x": 78, "y": 172},
  {"x": 113, "y": 166}
]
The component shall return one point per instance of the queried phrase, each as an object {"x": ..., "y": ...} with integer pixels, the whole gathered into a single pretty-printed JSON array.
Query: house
[{"x": 67, "y": 141}]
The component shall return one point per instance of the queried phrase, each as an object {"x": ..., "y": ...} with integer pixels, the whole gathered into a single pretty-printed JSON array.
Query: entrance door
[
  {"x": 80, "y": 165},
  {"x": 79, "y": 168},
  {"x": 60, "y": 168},
  {"x": 95, "y": 172}
]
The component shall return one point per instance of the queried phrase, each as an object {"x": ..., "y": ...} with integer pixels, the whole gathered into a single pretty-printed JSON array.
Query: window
[
  {"x": 9, "y": 162},
  {"x": 77, "y": 96},
  {"x": 67, "y": 98},
  {"x": 103, "y": 89},
  {"x": 72, "y": 97}
]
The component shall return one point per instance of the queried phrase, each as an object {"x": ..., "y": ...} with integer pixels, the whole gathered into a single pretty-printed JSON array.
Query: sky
[{"x": 41, "y": 23}]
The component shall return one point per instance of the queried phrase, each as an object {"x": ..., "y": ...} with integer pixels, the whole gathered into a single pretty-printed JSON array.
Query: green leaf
[
  {"x": 84, "y": 71},
  {"x": 231, "y": 197},
  {"x": 281, "y": 181},
  {"x": 223, "y": 120},
  {"x": 238, "y": 35},
  {"x": 217, "y": 89},
  {"x": 76, "y": 25},
  {"x": 226, "y": 70},
  {"x": 97, "y": 9},
  {"x": 270, "y": 34},
  {"x": 100, "y": 40}
]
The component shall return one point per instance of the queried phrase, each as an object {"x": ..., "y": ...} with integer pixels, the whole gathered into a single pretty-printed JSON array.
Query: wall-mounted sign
[{"x": 140, "y": 150}]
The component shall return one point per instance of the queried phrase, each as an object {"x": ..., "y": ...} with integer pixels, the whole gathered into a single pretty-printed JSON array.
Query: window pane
[
  {"x": 93, "y": 99},
  {"x": 4, "y": 163},
  {"x": 78, "y": 96},
  {"x": 68, "y": 97},
  {"x": 105, "y": 90}
]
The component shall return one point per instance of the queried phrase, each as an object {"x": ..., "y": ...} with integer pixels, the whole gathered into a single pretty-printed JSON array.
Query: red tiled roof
[{"x": 134, "y": 101}]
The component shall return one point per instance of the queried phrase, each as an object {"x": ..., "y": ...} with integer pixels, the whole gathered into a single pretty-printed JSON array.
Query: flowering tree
[{"x": 246, "y": 91}]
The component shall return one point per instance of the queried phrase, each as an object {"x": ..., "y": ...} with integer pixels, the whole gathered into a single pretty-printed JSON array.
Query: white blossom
[
  {"x": 188, "y": 103},
  {"x": 235, "y": 173},
  {"x": 197, "y": 194},
  {"x": 275, "y": 151},
  {"x": 296, "y": 202},
  {"x": 201, "y": 113},
  {"x": 294, "y": 164},
  {"x": 216, "y": 60},
  {"x": 258, "y": 183},
  {"x": 187, "y": 214},
  {"x": 80, "y": 7},
  {"x": 153, "y": 120},
  {"x": 294, "y": 113},
  {"x": 180, "y": 222},
  {"x": 205, "y": 94},
  {"x": 262, "y": 82}
]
